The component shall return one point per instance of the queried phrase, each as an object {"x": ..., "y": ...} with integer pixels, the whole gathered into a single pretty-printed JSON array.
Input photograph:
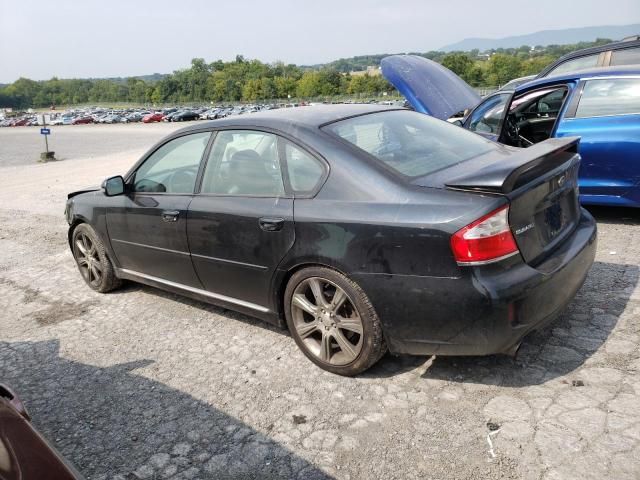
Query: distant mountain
[{"x": 546, "y": 37}]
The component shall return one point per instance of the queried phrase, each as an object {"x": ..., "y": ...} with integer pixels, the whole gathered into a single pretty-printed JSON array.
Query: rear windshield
[{"x": 413, "y": 144}]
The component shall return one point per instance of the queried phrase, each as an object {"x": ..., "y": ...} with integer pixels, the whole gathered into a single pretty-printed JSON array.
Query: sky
[{"x": 90, "y": 38}]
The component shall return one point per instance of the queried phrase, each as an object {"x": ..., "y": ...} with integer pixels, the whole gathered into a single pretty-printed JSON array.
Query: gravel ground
[
  {"x": 22, "y": 145},
  {"x": 143, "y": 384}
]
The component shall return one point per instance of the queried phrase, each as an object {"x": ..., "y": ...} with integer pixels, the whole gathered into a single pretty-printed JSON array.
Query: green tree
[
  {"x": 252, "y": 90},
  {"x": 458, "y": 63},
  {"x": 285, "y": 86},
  {"x": 502, "y": 67},
  {"x": 156, "y": 96},
  {"x": 534, "y": 65},
  {"x": 475, "y": 76},
  {"x": 309, "y": 85},
  {"x": 253, "y": 80}
]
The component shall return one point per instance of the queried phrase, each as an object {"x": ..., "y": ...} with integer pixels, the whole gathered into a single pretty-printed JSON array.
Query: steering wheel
[
  {"x": 513, "y": 131},
  {"x": 523, "y": 141},
  {"x": 181, "y": 181}
]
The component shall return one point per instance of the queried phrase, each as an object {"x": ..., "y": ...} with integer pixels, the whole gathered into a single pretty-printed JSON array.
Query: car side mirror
[
  {"x": 113, "y": 186},
  {"x": 457, "y": 123}
]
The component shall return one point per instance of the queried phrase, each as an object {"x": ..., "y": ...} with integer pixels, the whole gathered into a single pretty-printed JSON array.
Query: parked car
[
  {"x": 24, "y": 453},
  {"x": 135, "y": 116},
  {"x": 83, "y": 120},
  {"x": 152, "y": 117},
  {"x": 113, "y": 118},
  {"x": 213, "y": 114},
  {"x": 359, "y": 227},
  {"x": 21, "y": 122},
  {"x": 516, "y": 82},
  {"x": 602, "y": 106},
  {"x": 183, "y": 116},
  {"x": 167, "y": 116},
  {"x": 616, "y": 54}
]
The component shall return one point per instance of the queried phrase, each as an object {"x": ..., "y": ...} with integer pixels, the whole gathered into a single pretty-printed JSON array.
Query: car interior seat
[{"x": 249, "y": 173}]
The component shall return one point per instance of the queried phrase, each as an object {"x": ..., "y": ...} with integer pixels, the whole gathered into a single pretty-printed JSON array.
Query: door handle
[
  {"x": 170, "y": 215},
  {"x": 271, "y": 224}
]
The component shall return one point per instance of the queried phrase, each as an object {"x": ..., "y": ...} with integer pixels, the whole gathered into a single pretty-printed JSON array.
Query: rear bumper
[{"x": 486, "y": 310}]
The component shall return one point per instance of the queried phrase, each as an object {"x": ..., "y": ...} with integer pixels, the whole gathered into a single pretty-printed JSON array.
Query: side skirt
[{"x": 231, "y": 303}]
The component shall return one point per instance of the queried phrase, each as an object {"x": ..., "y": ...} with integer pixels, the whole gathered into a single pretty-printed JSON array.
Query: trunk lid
[
  {"x": 428, "y": 86},
  {"x": 541, "y": 183}
]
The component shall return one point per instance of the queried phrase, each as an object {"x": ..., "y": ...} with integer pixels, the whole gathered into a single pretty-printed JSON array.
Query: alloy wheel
[
  {"x": 88, "y": 260},
  {"x": 327, "y": 321}
]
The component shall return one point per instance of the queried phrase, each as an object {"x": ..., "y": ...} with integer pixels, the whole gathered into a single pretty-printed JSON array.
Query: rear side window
[
  {"x": 410, "y": 143},
  {"x": 305, "y": 171},
  {"x": 581, "y": 63},
  {"x": 620, "y": 96},
  {"x": 628, "y": 56},
  {"x": 243, "y": 162}
]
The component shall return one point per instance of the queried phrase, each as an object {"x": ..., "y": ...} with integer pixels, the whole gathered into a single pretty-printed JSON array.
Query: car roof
[
  {"x": 622, "y": 44},
  {"x": 284, "y": 118},
  {"x": 580, "y": 74}
]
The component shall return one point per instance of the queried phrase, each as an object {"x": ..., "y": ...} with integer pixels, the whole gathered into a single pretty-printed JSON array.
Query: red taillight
[{"x": 486, "y": 240}]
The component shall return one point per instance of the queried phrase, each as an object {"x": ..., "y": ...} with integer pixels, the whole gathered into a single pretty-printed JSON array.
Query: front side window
[
  {"x": 173, "y": 167},
  {"x": 628, "y": 56},
  {"x": 488, "y": 116},
  {"x": 539, "y": 103},
  {"x": 618, "y": 96},
  {"x": 532, "y": 116},
  {"x": 244, "y": 162},
  {"x": 588, "y": 61},
  {"x": 410, "y": 143}
]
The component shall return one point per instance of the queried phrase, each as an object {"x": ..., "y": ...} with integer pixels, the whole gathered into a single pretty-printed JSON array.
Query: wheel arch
[
  {"x": 77, "y": 220},
  {"x": 285, "y": 275}
]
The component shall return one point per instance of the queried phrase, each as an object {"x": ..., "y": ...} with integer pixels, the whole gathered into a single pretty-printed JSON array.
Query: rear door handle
[
  {"x": 269, "y": 224},
  {"x": 170, "y": 215}
]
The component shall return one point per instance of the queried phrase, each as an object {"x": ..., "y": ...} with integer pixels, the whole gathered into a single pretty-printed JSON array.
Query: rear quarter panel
[{"x": 367, "y": 221}]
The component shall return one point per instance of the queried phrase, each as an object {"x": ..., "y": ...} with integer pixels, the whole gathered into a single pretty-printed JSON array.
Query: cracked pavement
[{"x": 143, "y": 384}]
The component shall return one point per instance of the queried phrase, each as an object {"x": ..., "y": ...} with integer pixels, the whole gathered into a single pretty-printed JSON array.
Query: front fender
[{"x": 89, "y": 208}]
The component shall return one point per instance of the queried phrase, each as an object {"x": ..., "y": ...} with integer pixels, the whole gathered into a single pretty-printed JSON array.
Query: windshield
[{"x": 412, "y": 144}]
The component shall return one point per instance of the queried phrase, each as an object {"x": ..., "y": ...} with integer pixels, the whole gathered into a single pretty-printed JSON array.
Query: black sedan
[
  {"x": 360, "y": 228},
  {"x": 183, "y": 116}
]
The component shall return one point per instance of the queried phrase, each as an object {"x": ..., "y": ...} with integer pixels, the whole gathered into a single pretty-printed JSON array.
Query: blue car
[{"x": 600, "y": 105}]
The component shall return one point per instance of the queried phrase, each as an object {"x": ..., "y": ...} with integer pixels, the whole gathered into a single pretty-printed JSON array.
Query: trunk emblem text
[{"x": 524, "y": 229}]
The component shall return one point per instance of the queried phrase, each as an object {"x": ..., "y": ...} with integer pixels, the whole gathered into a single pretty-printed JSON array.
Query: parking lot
[{"x": 142, "y": 384}]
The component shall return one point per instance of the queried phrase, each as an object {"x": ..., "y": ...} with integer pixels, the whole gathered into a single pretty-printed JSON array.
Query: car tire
[
  {"x": 92, "y": 260},
  {"x": 320, "y": 329}
]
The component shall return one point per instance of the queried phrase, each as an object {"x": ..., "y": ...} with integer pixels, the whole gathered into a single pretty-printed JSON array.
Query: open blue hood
[{"x": 428, "y": 86}]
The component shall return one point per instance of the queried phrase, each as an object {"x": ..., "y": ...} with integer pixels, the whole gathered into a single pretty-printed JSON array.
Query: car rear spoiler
[{"x": 506, "y": 175}]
